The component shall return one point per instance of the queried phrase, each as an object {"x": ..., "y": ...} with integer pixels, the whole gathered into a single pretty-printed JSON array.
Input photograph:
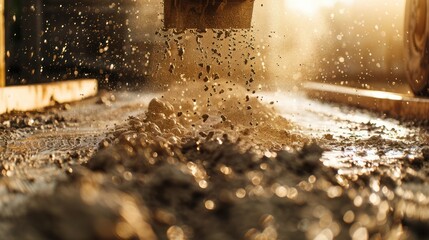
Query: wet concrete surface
[
  {"x": 89, "y": 171},
  {"x": 38, "y": 148}
]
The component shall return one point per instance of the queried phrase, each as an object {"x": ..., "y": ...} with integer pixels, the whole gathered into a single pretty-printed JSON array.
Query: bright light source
[{"x": 311, "y": 7}]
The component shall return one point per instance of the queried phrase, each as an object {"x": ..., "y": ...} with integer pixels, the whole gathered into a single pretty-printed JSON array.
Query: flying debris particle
[
  {"x": 181, "y": 52},
  {"x": 171, "y": 68},
  {"x": 205, "y": 117}
]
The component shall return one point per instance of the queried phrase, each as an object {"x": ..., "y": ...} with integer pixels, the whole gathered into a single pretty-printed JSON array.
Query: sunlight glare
[{"x": 311, "y": 7}]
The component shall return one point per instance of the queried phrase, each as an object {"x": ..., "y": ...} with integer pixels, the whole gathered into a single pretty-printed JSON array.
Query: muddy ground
[{"x": 124, "y": 165}]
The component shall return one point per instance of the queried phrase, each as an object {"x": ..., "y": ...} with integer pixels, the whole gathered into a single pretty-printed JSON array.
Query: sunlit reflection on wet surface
[
  {"x": 383, "y": 156},
  {"x": 317, "y": 119}
]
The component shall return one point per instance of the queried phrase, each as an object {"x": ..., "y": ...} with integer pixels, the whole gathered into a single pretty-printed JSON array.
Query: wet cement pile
[
  {"x": 233, "y": 111},
  {"x": 182, "y": 161},
  {"x": 182, "y": 171},
  {"x": 209, "y": 190}
]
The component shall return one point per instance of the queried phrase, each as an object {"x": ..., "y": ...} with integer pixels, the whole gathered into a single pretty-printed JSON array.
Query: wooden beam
[
  {"x": 31, "y": 97},
  {"x": 2, "y": 46},
  {"x": 185, "y": 14},
  {"x": 401, "y": 106}
]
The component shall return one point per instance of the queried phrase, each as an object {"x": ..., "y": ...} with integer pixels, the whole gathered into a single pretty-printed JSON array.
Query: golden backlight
[
  {"x": 328, "y": 40},
  {"x": 311, "y": 7}
]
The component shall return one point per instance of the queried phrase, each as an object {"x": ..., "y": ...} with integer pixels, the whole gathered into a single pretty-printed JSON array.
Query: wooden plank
[
  {"x": 185, "y": 14},
  {"x": 401, "y": 106},
  {"x": 2, "y": 46},
  {"x": 30, "y": 97}
]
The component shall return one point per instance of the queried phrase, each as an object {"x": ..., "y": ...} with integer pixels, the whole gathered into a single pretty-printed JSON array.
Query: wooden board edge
[
  {"x": 36, "y": 96},
  {"x": 399, "y": 106}
]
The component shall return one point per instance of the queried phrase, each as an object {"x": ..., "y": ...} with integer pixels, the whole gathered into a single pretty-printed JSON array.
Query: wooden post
[{"x": 2, "y": 46}]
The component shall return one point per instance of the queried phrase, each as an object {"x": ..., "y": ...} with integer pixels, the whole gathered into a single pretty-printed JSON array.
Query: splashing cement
[{"x": 223, "y": 108}]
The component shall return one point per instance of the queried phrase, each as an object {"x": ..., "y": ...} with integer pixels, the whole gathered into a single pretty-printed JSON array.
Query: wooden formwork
[
  {"x": 30, "y": 97},
  {"x": 401, "y": 106}
]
